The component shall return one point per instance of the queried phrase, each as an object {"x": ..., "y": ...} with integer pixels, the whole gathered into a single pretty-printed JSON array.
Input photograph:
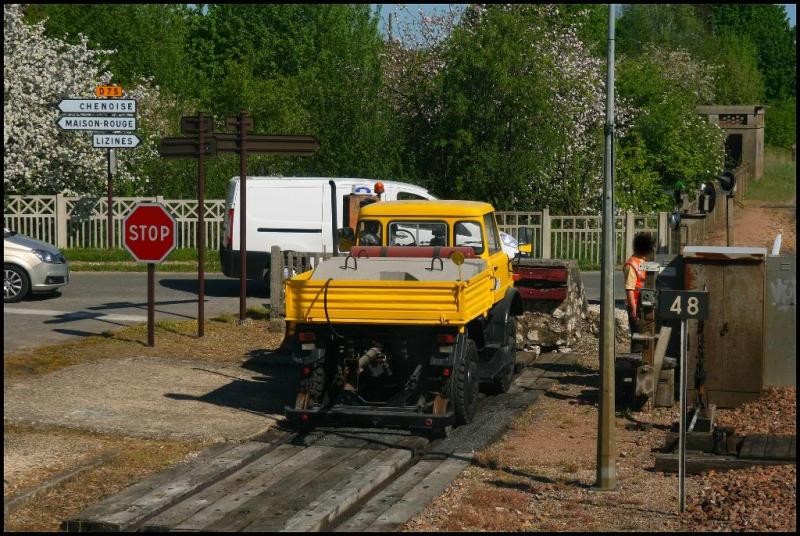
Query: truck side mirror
[
  {"x": 524, "y": 235},
  {"x": 345, "y": 236}
]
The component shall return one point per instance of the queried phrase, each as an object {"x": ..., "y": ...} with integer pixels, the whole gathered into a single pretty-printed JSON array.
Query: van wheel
[
  {"x": 16, "y": 283},
  {"x": 464, "y": 385}
]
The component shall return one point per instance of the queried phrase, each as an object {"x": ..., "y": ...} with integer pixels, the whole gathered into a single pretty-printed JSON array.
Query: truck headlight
[{"x": 46, "y": 256}]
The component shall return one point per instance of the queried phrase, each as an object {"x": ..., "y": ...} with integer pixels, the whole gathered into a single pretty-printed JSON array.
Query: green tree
[
  {"x": 512, "y": 112},
  {"x": 738, "y": 79},
  {"x": 662, "y": 25},
  {"x": 668, "y": 136},
  {"x": 767, "y": 27},
  {"x": 149, "y": 39},
  {"x": 300, "y": 69}
]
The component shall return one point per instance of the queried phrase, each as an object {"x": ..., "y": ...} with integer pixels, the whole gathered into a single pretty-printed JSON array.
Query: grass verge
[
  {"x": 119, "y": 260},
  {"x": 779, "y": 181},
  {"x": 224, "y": 341}
]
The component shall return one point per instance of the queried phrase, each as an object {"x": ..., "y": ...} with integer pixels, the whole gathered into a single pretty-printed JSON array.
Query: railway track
[{"x": 342, "y": 479}]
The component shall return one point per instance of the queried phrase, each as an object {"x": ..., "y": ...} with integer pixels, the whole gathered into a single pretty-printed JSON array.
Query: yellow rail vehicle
[{"x": 406, "y": 328}]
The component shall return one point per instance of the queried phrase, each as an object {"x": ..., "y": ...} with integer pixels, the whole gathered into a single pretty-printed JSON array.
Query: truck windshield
[
  {"x": 369, "y": 233},
  {"x": 468, "y": 233},
  {"x": 418, "y": 233}
]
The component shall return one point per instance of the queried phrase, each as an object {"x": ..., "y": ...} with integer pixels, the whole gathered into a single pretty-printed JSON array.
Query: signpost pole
[
  {"x": 242, "y": 215},
  {"x": 729, "y": 220},
  {"x": 682, "y": 423},
  {"x": 151, "y": 283},
  {"x": 110, "y": 201},
  {"x": 201, "y": 228}
]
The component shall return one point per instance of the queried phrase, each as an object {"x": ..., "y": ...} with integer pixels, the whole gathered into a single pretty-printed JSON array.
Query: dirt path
[
  {"x": 151, "y": 397},
  {"x": 757, "y": 224}
]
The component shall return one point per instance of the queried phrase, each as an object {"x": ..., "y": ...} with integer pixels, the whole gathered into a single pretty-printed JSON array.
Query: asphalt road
[
  {"x": 96, "y": 302},
  {"x": 591, "y": 281}
]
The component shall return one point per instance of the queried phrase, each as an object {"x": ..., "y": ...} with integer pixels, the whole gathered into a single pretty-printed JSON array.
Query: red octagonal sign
[{"x": 150, "y": 232}]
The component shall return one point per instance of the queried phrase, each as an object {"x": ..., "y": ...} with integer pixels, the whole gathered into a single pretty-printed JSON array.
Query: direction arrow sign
[
  {"x": 117, "y": 106},
  {"x": 185, "y": 147},
  {"x": 97, "y": 123},
  {"x": 115, "y": 141},
  {"x": 269, "y": 144}
]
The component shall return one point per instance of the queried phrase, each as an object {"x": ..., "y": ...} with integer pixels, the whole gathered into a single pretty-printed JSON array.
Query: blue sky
[{"x": 428, "y": 9}]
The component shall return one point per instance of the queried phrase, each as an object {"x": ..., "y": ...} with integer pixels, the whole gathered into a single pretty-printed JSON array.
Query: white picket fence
[{"x": 80, "y": 222}]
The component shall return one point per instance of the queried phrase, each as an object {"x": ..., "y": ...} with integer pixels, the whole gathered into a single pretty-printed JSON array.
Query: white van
[{"x": 294, "y": 213}]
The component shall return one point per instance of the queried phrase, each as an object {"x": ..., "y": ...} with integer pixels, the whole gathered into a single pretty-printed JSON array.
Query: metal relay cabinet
[{"x": 732, "y": 340}]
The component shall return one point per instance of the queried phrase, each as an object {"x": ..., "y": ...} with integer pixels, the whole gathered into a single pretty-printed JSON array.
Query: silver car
[{"x": 30, "y": 266}]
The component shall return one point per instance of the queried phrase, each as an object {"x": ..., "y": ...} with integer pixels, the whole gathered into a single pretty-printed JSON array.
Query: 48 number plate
[{"x": 683, "y": 305}]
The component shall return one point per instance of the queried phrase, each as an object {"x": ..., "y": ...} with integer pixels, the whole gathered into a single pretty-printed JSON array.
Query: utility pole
[{"x": 606, "y": 435}]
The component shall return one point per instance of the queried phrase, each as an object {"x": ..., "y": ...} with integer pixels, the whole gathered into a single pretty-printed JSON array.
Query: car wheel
[{"x": 15, "y": 283}]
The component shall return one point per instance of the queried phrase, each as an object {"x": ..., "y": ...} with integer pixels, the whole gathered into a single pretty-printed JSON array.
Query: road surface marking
[{"x": 76, "y": 315}]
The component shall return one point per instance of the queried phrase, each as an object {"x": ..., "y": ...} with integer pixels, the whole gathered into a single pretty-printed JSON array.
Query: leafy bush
[{"x": 780, "y": 123}]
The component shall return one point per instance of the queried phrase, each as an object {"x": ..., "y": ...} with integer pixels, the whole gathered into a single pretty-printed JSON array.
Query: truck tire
[
  {"x": 316, "y": 386},
  {"x": 464, "y": 385},
  {"x": 506, "y": 376}
]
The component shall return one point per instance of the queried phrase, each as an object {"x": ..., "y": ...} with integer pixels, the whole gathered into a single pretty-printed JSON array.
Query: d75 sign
[
  {"x": 683, "y": 305},
  {"x": 150, "y": 233}
]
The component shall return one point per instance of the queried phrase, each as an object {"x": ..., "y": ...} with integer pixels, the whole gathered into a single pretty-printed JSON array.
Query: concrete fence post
[
  {"x": 61, "y": 221},
  {"x": 629, "y": 231},
  {"x": 276, "y": 281},
  {"x": 663, "y": 232},
  {"x": 546, "y": 234}
]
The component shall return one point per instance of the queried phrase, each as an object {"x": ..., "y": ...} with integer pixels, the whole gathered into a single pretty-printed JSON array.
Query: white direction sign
[
  {"x": 96, "y": 106},
  {"x": 97, "y": 123},
  {"x": 115, "y": 141}
]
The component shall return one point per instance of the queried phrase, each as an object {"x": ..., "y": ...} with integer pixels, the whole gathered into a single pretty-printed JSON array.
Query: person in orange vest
[{"x": 634, "y": 280}]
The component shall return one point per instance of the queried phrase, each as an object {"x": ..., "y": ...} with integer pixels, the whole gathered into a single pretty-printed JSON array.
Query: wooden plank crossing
[
  {"x": 413, "y": 501},
  {"x": 127, "y": 510},
  {"x": 311, "y": 482},
  {"x": 252, "y": 487},
  {"x": 698, "y": 462},
  {"x": 768, "y": 447}
]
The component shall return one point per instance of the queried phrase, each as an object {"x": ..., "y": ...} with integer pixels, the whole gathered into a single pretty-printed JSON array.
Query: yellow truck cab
[
  {"x": 406, "y": 327},
  {"x": 439, "y": 224}
]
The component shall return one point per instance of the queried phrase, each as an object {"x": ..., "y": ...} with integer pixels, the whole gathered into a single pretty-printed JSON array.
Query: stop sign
[{"x": 150, "y": 232}]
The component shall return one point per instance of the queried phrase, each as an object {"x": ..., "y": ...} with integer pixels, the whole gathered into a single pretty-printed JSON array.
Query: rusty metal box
[{"x": 733, "y": 335}]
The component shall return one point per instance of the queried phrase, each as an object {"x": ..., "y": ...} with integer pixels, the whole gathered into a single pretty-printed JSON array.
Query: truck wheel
[
  {"x": 316, "y": 387},
  {"x": 465, "y": 384},
  {"x": 503, "y": 381}
]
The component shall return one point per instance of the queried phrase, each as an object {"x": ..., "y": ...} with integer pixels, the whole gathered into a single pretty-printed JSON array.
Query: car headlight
[
  {"x": 509, "y": 240},
  {"x": 46, "y": 256}
]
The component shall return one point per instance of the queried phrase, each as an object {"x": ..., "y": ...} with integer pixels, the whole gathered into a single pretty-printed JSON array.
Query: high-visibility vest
[{"x": 636, "y": 263}]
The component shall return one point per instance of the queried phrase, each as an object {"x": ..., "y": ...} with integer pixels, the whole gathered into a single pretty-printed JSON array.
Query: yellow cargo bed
[{"x": 390, "y": 291}]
